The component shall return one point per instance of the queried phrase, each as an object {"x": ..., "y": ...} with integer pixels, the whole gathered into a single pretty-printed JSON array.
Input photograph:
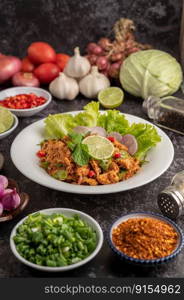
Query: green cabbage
[{"x": 150, "y": 72}]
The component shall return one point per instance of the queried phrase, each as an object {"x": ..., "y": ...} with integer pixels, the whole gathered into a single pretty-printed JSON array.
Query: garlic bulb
[
  {"x": 78, "y": 66},
  {"x": 93, "y": 83},
  {"x": 64, "y": 87}
]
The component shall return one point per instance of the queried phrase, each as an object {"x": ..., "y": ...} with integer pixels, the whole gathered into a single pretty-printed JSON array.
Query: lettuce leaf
[
  {"x": 113, "y": 120},
  {"x": 147, "y": 137},
  {"x": 58, "y": 125},
  {"x": 90, "y": 115}
]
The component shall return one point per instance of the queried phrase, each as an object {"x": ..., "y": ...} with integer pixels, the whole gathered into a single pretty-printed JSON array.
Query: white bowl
[
  {"x": 7, "y": 132},
  {"x": 26, "y": 90},
  {"x": 67, "y": 212}
]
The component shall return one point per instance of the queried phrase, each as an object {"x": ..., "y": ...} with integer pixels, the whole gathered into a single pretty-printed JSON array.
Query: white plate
[
  {"x": 69, "y": 213},
  {"x": 25, "y": 146}
]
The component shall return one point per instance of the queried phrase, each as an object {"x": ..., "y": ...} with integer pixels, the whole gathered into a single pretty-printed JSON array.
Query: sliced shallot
[
  {"x": 82, "y": 129},
  {"x": 130, "y": 141},
  {"x": 116, "y": 135},
  {"x": 98, "y": 130}
]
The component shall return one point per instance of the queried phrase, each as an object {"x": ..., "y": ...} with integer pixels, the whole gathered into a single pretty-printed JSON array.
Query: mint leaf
[
  {"x": 80, "y": 155},
  {"x": 75, "y": 137}
]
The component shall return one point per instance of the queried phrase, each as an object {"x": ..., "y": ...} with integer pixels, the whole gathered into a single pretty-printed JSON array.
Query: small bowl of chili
[
  {"x": 25, "y": 101},
  {"x": 145, "y": 238}
]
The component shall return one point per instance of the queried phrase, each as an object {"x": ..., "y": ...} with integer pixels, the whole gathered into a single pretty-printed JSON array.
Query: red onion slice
[
  {"x": 93, "y": 130},
  {"x": 130, "y": 141},
  {"x": 116, "y": 135},
  {"x": 82, "y": 129},
  {"x": 98, "y": 130}
]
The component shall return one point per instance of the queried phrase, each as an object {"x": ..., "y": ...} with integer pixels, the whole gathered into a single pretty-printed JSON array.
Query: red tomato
[
  {"x": 61, "y": 60},
  {"x": 47, "y": 72},
  {"x": 27, "y": 65},
  {"x": 41, "y": 52}
]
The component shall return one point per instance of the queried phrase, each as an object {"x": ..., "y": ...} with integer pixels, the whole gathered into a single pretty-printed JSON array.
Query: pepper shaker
[
  {"x": 167, "y": 112},
  {"x": 171, "y": 199}
]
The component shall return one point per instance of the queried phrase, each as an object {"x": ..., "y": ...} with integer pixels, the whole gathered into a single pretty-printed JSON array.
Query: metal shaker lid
[{"x": 171, "y": 202}]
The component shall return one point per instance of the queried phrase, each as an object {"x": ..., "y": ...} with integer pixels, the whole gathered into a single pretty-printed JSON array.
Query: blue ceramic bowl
[{"x": 147, "y": 262}]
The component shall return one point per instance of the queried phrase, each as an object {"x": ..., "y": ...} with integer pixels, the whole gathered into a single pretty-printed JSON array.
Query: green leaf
[
  {"x": 90, "y": 115},
  {"x": 58, "y": 125},
  {"x": 60, "y": 175},
  {"x": 75, "y": 137},
  {"x": 80, "y": 155},
  {"x": 147, "y": 137},
  {"x": 112, "y": 121}
]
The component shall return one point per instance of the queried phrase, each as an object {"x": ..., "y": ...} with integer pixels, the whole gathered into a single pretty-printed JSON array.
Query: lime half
[
  {"x": 6, "y": 119},
  {"x": 99, "y": 147},
  {"x": 111, "y": 97}
]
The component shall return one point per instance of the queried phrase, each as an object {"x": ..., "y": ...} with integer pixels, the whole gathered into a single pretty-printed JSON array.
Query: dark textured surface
[{"x": 65, "y": 24}]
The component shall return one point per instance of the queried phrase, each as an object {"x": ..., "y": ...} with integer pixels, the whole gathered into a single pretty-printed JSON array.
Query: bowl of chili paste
[{"x": 145, "y": 238}]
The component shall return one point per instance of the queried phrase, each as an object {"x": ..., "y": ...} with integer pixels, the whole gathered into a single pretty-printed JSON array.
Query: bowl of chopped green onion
[{"x": 56, "y": 239}]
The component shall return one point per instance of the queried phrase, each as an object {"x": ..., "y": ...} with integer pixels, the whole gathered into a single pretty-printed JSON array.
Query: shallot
[
  {"x": 3, "y": 181},
  {"x": 1, "y": 190},
  {"x": 82, "y": 129},
  {"x": 93, "y": 48},
  {"x": 116, "y": 135},
  {"x": 7, "y": 191},
  {"x": 102, "y": 62},
  {"x": 1, "y": 209},
  {"x": 130, "y": 141},
  {"x": 25, "y": 79},
  {"x": 11, "y": 200},
  {"x": 98, "y": 130},
  {"x": 92, "y": 130},
  {"x": 9, "y": 65}
]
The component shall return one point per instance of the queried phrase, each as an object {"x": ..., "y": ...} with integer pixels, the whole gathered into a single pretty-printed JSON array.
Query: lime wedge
[
  {"x": 111, "y": 97},
  {"x": 6, "y": 119},
  {"x": 99, "y": 147}
]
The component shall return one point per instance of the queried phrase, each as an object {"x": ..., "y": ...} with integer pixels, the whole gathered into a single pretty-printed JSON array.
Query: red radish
[
  {"x": 25, "y": 79},
  {"x": 27, "y": 65},
  {"x": 9, "y": 65}
]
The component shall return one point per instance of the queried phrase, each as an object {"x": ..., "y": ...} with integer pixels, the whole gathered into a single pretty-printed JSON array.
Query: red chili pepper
[
  {"x": 23, "y": 101},
  {"x": 91, "y": 174},
  {"x": 41, "y": 154},
  {"x": 111, "y": 138},
  {"x": 117, "y": 155}
]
